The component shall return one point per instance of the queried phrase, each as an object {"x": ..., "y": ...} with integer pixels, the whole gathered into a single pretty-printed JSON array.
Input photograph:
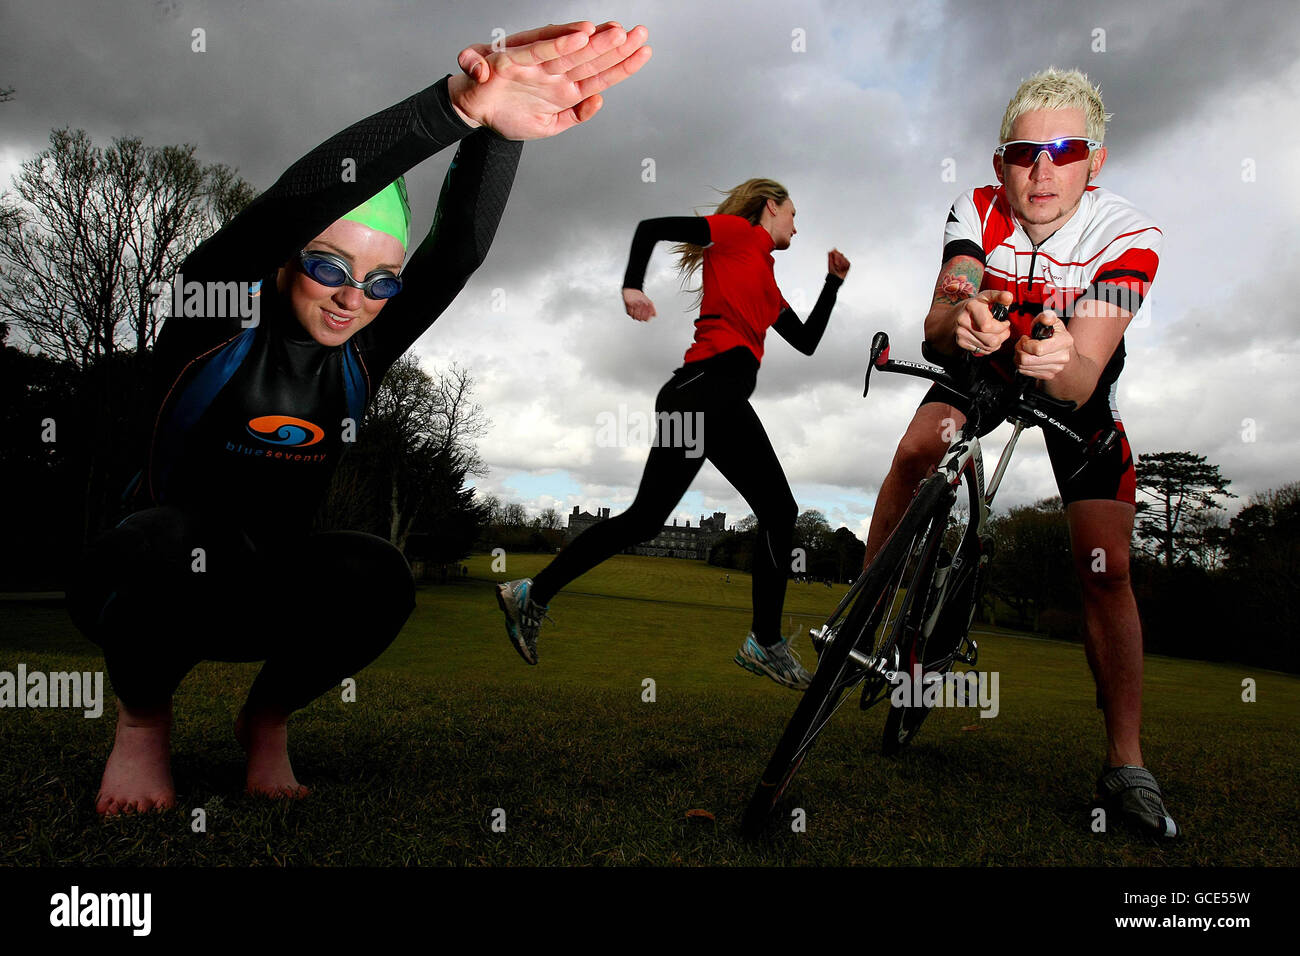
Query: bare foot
[
  {"x": 138, "y": 775},
  {"x": 265, "y": 739}
]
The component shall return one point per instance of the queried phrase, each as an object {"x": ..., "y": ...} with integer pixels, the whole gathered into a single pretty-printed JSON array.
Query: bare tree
[
  {"x": 458, "y": 419},
  {"x": 513, "y": 515},
  {"x": 87, "y": 237},
  {"x": 491, "y": 511},
  {"x": 420, "y": 428},
  {"x": 92, "y": 234}
]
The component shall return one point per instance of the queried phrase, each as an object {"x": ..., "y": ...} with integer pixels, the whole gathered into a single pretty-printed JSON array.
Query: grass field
[{"x": 450, "y": 726}]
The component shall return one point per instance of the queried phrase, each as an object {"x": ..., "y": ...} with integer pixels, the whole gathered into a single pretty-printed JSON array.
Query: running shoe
[
  {"x": 777, "y": 662},
  {"x": 523, "y": 616},
  {"x": 1132, "y": 793}
]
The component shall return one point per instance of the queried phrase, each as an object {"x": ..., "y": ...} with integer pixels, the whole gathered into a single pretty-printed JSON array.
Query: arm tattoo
[{"x": 959, "y": 279}]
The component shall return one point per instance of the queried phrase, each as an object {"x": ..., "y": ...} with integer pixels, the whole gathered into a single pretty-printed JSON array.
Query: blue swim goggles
[{"x": 331, "y": 270}]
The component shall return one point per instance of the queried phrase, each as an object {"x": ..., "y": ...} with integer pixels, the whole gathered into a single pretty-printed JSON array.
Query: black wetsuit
[
  {"x": 717, "y": 390},
  {"x": 252, "y": 421}
]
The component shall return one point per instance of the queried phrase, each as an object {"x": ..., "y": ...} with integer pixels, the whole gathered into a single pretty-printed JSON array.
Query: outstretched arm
[
  {"x": 470, "y": 206},
  {"x": 539, "y": 84},
  {"x": 336, "y": 176}
]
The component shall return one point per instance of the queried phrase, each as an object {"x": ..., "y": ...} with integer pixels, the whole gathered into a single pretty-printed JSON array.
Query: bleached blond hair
[{"x": 1054, "y": 89}]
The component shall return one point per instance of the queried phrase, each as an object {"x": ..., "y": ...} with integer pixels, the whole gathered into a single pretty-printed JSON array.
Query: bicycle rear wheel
[{"x": 837, "y": 670}]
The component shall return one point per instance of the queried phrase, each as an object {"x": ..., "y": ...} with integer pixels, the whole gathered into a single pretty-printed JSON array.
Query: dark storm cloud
[{"x": 1162, "y": 62}]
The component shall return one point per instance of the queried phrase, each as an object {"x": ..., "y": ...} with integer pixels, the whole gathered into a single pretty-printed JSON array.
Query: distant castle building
[{"x": 674, "y": 541}]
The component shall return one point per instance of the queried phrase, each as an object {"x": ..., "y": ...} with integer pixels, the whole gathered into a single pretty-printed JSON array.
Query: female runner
[{"x": 739, "y": 302}]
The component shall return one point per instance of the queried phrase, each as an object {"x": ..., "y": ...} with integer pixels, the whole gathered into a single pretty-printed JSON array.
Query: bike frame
[{"x": 964, "y": 453}]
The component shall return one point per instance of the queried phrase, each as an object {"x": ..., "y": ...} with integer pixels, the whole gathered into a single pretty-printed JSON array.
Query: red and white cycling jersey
[{"x": 1107, "y": 250}]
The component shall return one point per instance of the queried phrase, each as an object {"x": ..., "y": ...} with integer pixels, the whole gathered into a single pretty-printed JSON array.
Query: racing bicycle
[{"x": 908, "y": 616}]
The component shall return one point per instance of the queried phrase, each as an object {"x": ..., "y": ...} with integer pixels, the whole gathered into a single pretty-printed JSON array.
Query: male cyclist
[{"x": 1061, "y": 252}]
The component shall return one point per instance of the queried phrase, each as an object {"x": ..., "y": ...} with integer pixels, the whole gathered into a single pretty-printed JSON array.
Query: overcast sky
[{"x": 859, "y": 126}]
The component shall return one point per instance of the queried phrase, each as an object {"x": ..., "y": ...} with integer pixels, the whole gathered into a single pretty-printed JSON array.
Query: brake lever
[{"x": 879, "y": 356}]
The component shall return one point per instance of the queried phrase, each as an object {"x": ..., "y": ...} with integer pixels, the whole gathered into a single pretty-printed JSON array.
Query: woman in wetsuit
[
  {"x": 739, "y": 302},
  {"x": 253, "y": 415}
]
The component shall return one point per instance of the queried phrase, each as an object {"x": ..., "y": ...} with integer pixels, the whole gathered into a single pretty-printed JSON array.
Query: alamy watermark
[
  {"x": 1128, "y": 297},
  {"x": 75, "y": 908},
  {"x": 949, "y": 689},
  {"x": 83, "y": 689},
  {"x": 209, "y": 300},
  {"x": 636, "y": 429}
]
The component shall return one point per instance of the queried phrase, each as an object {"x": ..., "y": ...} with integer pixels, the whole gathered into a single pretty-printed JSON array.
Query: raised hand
[
  {"x": 837, "y": 264},
  {"x": 546, "y": 80}
]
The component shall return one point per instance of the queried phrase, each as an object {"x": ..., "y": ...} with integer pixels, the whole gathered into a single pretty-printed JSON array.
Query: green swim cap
[{"x": 387, "y": 211}]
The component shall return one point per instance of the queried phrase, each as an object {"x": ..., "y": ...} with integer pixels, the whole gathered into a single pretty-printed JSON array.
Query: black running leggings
[
  {"x": 317, "y": 608},
  {"x": 718, "y": 390}
]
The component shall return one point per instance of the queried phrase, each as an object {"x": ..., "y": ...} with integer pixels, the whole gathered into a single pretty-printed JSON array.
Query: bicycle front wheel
[
  {"x": 936, "y": 617},
  {"x": 838, "y": 671}
]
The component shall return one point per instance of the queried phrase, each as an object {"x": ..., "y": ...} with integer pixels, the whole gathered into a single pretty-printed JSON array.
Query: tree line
[
  {"x": 821, "y": 555},
  {"x": 507, "y": 525},
  {"x": 1207, "y": 587}
]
